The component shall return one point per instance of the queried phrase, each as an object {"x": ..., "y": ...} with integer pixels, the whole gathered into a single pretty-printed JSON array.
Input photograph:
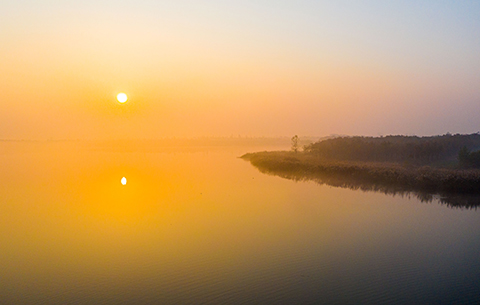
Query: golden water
[{"x": 198, "y": 225}]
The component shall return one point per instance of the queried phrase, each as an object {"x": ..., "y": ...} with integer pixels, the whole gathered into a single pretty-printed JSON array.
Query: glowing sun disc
[
  {"x": 124, "y": 181},
  {"x": 122, "y": 97}
]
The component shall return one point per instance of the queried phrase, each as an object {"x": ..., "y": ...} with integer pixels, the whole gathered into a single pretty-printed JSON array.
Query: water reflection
[
  {"x": 207, "y": 228},
  {"x": 452, "y": 200}
]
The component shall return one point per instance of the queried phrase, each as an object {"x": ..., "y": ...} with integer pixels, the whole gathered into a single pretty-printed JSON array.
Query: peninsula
[{"x": 447, "y": 165}]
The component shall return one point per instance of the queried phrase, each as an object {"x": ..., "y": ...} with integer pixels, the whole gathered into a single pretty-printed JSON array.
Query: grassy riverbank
[{"x": 386, "y": 177}]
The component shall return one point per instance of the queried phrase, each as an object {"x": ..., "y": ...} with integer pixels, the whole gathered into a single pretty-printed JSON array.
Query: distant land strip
[
  {"x": 426, "y": 167},
  {"x": 408, "y": 178}
]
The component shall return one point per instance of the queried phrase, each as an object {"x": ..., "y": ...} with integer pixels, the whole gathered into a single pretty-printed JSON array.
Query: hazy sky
[{"x": 254, "y": 68}]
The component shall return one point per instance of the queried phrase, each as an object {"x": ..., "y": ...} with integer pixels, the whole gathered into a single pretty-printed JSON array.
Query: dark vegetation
[
  {"x": 428, "y": 167},
  {"x": 468, "y": 159},
  {"x": 435, "y": 150}
]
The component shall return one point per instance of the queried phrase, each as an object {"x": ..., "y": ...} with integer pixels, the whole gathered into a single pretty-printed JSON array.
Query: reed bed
[{"x": 390, "y": 178}]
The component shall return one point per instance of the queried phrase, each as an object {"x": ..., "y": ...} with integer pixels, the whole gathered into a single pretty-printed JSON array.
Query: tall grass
[{"x": 459, "y": 188}]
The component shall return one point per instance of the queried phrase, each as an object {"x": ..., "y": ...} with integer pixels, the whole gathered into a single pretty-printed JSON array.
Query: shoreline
[{"x": 389, "y": 178}]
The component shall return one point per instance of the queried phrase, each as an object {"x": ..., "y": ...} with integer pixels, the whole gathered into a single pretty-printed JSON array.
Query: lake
[{"x": 197, "y": 225}]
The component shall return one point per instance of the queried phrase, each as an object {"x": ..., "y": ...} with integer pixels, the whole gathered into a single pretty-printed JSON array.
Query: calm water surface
[{"x": 198, "y": 225}]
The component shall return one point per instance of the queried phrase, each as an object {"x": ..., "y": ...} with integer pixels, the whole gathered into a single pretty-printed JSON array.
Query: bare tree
[{"x": 295, "y": 143}]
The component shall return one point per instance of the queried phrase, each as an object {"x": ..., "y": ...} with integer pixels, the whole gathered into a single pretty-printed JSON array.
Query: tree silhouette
[{"x": 295, "y": 143}]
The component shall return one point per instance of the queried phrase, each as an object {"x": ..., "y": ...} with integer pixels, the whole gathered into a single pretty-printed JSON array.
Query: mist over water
[
  {"x": 196, "y": 224},
  {"x": 122, "y": 124}
]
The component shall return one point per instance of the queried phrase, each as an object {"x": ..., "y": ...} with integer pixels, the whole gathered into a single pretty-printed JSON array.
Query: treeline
[
  {"x": 400, "y": 149},
  {"x": 468, "y": 159}
]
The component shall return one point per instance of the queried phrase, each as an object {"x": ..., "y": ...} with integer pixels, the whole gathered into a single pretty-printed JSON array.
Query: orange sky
[{"x": 253, "y": 69}]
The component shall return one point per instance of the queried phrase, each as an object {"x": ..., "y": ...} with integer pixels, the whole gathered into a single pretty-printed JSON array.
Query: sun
[
  {"x": 122, "y": 97},
  {"x": 123, "y": 181}
]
